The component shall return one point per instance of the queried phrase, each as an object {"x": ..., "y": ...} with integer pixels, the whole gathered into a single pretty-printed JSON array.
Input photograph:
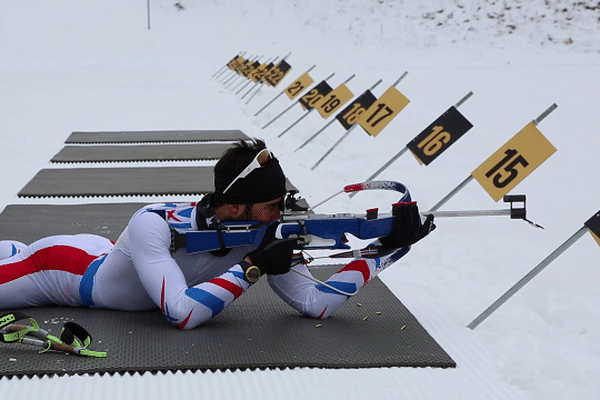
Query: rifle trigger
[
  {"x": 372, "y": 213},
  {"x": 303, "y": 226}
]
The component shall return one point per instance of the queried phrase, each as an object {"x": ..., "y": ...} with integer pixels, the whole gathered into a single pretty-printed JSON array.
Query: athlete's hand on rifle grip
[
  {"x": 275, "y": 258},
  {"x": 408, "y": 227}
]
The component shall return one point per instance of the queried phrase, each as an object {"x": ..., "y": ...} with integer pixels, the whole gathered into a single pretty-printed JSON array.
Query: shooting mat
[
  {"x": 134, "y": 181},
  {"x": 162, "y": 152},
  {"x": 155, "y": 136},
  {"x": 28, "y": 223},
  {"x": 257, "y": 331}
]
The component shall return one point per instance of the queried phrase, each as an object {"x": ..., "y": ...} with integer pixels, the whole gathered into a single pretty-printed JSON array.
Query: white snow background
[{"x": 74, "y": 65}]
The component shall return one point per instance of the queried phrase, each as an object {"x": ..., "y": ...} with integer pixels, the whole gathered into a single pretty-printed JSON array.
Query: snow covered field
[{"x": 94, "y": 65}]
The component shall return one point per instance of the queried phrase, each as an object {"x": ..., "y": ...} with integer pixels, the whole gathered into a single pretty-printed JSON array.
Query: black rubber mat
[
  {"x": 163, "y": 152},
  {"x": 74, "y": 182},
  {"x": 30, "y": 222},
  {"x": 139, "y": 181},
  {"x": 155, "y": 136},
  {"x": 258, "y": 330}
]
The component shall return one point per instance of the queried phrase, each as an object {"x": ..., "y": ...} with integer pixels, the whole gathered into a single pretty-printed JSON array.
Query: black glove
[
  {"x": 408, "y": 228},
  {"x": 275, "y": 258}
]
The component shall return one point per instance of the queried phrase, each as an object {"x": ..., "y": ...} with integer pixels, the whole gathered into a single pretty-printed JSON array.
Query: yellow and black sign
[
  {"x": 249, "y": 68},
  {"x": 315, "y": 94},
  {"x": 437, "y": 137},
  {"x": 296, "y": 87},
  {"x": 349, "y": 115},
  {"x": 514, "y": 161},
  {"x": 277, "y": 73},
  {"x": 261, "y": 72},
  {"x": 593, "y": 224},
  {"x": 242, "y": 66},
  {"x": 235, "y": 63},
  {"x": 333, "y": 100},
  {"x": 381, "y": 113}
]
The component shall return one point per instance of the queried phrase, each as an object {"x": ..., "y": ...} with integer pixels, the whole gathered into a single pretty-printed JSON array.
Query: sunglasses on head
[{"x": 259, "y": 161}]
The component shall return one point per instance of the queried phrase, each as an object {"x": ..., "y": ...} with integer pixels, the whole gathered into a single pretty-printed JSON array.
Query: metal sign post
[
  {"x": 345, "y": 135},
  {"x": 292, "y": 105},
  {"x": 249, "y": 78},
  {"x": 498, "y": 185},
  {"x": 224, "y": 67},
  {"x": 406, "y": 148},
  {"x": 249, "y": 67},
  {"x": 279, "y": 95},
  {"x": 329, "y": 123},
  {"x": 592, "y": 225},
  {"x": 309, "y": 110},
  {"x": 261, "y": 81}
]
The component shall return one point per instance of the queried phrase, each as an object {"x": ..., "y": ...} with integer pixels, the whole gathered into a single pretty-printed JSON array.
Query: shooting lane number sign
[
  {"x": 381, "y": 113},
  {"x": 514, "y": 161},
  {"x": 277, "y": 73},
  {"x": 235, "y": 63},
  {"x": 314, "y": 95},
  {"x": 349, "y": 115},
  {"x": 593, "y": 224},
  {"x": 333, "y": 100},
  {"x": 296, "y": 87},
  {"x": 249, "y": 67},
  {"x": 261, "y": 72},
  {"x": 439, "y": 135}
]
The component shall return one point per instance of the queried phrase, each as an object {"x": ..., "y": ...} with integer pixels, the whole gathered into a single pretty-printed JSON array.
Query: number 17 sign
[
  {"x": 381, "y": 113},
  {"x": 513, "y": 162}
]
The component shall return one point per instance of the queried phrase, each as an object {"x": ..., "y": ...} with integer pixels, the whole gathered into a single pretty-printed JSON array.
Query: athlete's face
[{"x": 265, "y": 212}]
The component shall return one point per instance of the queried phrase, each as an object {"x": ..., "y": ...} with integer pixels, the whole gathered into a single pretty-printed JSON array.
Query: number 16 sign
[{"x": 513, "y": 162}]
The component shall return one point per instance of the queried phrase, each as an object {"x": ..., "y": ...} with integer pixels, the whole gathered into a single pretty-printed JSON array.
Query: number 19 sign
[{"x": 513, "y": 162}]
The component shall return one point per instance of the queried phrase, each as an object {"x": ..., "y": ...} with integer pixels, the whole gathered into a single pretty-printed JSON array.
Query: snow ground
[{"x": 88, "y": 66}]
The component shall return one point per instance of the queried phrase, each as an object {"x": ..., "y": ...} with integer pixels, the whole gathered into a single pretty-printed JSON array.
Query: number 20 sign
[{"x": 514, "y": 161}]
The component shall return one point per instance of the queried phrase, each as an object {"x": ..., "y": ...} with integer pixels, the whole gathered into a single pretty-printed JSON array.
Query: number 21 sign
[{"x": 514, "y": 161}]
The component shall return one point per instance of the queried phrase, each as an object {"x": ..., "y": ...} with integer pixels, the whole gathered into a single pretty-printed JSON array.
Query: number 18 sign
[{"x": 514, "y": 161}]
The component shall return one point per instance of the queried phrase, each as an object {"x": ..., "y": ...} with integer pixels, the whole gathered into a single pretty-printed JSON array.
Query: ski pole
[{"x": 44, "y": 340}]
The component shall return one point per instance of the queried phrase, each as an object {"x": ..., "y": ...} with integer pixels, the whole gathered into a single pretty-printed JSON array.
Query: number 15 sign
[{"x": 513, "y": 162}]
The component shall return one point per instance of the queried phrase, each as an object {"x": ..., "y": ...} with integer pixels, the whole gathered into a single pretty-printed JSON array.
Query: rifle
[
  {"x": 313, "y": 231},
  {"x": 320, "y": 231}
]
